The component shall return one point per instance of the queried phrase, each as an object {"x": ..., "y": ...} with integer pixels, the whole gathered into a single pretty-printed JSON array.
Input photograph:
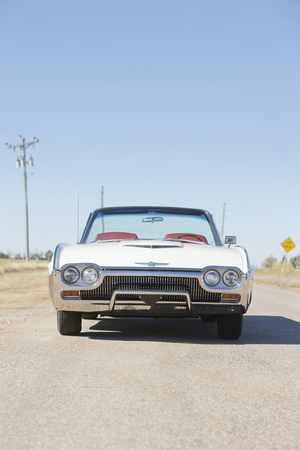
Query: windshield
[{"x": 150, "y": 224}]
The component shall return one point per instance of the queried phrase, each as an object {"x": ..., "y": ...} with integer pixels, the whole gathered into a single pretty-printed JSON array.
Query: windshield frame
[{"x": 148, "y": 210}]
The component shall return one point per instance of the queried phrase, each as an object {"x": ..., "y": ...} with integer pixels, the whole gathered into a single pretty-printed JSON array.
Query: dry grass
[
  {"x": 289, "y": 280},
  {"x": 19, "y": 265},
  {"x": 23, "y": 284}
]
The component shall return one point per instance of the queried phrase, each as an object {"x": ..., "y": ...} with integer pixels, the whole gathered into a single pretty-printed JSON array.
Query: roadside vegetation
[
  {"x": 279, "y": 275},
  {"x": 17, "y": 273},
  {"x": 23, "y": 283},
  {"x": 34, "y": 256},
  {"x": 20, "y": 265}
]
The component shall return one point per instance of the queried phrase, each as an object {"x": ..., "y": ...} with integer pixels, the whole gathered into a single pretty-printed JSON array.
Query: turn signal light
[
  {"x": 71, "y": 293},
  {"x": 230, "y": 296}
]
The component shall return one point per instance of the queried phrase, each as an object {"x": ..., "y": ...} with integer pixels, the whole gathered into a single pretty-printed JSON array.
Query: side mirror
[{"x": 230, "y": 240}]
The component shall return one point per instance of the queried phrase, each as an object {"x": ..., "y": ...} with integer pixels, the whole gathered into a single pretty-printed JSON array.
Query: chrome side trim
[
  {"x": 86, "y": 228},
  {"x": 56, "y": 256},
  {"x": 249, "y": 267},
  {"x": 214, "y": 228}
]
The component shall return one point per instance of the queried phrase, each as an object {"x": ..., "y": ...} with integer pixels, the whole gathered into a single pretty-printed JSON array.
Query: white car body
[
  {"x": 176, "y": 275},
  {"x": 186, "y": 256}
]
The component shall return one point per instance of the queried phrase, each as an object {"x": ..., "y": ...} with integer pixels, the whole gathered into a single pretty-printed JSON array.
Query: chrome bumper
[{"x": 149, "y": 304}]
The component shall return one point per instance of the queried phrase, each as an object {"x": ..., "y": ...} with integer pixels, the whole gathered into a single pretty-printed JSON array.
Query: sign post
[{"x": 288, "y": 245}]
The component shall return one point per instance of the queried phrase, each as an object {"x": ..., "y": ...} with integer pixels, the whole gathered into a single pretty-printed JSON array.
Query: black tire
[
  {"x": 229, "y": 326},
  {"x": 209, "y": 318},
  {"x": 91, "y": 316},
  {"x": 69, "y": 322}
]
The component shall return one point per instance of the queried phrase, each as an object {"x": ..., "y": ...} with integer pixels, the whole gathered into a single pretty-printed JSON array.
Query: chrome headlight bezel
[
  {"x": 92, "y": 280},
  {"x": 75, "y": 272},
  {"x": 212, "y": 283},
  {"x": 234, "y": 274}
]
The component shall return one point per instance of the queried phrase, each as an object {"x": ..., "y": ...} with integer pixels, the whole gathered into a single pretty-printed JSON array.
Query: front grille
[
  {"x": 164, "y": 298},
  {"x": 153, "y": 284}
]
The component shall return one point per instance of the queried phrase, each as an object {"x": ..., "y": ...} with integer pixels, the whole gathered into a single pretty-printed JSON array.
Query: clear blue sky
[{"x": 178, "y": 103}]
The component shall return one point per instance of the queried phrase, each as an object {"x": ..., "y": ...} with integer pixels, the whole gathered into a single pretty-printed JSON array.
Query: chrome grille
[{"x": 153, "y": 284}]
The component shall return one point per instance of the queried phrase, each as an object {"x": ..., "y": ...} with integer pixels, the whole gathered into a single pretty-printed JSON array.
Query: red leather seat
[
  {"x": 187, "y": 237},
  {"x": 115, "y": 235}
]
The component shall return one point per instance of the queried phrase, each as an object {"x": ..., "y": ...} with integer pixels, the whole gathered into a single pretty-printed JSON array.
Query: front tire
[
  {"x": 69, "y": 322},
  {"x": 229, "y": 326}
]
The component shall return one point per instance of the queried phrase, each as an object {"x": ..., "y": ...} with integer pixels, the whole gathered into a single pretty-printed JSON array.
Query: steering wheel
[{"x": 185, "y": 235}]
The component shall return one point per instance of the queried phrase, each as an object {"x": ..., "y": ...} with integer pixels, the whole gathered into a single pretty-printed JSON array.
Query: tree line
[
  {"x": 45, "y": 256},
  {"x": 271, "y": 261}
]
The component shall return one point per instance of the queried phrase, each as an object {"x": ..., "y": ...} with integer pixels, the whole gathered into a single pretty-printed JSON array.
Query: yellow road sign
[{"x": 288, "y": 245}]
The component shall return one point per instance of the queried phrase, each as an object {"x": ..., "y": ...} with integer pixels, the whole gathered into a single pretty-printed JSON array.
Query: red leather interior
[
  {"x": 115, "y": 235},
  {"x": 187, "y": 237}
]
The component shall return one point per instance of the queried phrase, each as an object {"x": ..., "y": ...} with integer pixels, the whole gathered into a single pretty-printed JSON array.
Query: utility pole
[
  {"x": 21, "y": 162},
  {"x": 223, "y": 220},
  {"x": 78, "y": 218},
  {"x": 102, "y": 195}
]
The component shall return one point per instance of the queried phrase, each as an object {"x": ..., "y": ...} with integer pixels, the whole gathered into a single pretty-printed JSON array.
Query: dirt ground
[{"x": 23, "y": 291}]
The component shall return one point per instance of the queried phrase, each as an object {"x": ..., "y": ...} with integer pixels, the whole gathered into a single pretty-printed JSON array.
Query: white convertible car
[{"x": 151, "y": 262}]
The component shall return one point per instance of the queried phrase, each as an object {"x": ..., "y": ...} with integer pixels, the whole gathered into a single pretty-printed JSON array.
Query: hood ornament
[{"x": 152, "y": 264}]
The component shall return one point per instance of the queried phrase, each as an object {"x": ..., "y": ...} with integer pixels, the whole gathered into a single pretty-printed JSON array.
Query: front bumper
[{"x": 149, "y": 302}]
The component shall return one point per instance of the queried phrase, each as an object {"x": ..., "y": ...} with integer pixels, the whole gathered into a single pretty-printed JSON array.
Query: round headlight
[
  {"x": 90, "y": 275},
  {"x": 231, "y": 278},
  {"x": 212, "y": 277},
  {"x": 71, "y": 275}
]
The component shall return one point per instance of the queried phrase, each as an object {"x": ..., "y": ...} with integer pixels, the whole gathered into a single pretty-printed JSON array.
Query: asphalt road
[{"x": 152, "y": 384}]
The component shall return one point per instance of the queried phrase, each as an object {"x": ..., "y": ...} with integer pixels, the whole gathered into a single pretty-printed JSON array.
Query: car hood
[{"x": 153, "y": 253}]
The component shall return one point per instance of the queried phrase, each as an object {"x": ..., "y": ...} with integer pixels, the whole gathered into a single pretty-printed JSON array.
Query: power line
[
  {"x": 57, "y": 167},
  {"x": 53, "y": 184},
  {"x": 15, "y": 126},
  {"x": 8, "y": 167},
  {"x": 17, "y": 134}
]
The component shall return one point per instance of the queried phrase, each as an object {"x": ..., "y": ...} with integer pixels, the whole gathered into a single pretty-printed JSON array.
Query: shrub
[
  {"x": 269, "y": 262},
  {"x": 295, "y": 262}
]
